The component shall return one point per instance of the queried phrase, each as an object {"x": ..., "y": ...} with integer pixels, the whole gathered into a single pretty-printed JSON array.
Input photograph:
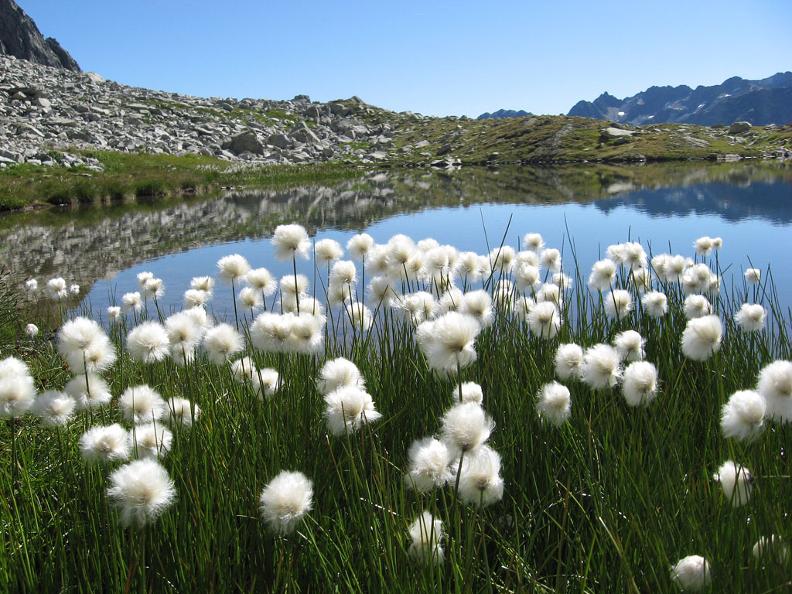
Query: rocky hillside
[
  {"x": 758, "y": 102},
  {"x": 20, "y": 37},
  {"x": 53, "y": 116},
  {"x": 46, "y": 111}
]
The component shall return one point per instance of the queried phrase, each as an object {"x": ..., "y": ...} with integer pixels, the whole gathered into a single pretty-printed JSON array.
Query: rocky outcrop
[{"x": 20, "y": 37}]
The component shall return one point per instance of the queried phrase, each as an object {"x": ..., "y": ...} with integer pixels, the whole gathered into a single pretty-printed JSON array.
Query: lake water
[{"x": 666, "y": 207}]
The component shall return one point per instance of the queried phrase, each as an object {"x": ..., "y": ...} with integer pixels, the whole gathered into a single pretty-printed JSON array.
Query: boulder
[
  {"x": 303, "y": 133},
  {"x": 739, "y": 127},
  {"x": 280, "y": 140},
  {"x": 246, "y": 142}
]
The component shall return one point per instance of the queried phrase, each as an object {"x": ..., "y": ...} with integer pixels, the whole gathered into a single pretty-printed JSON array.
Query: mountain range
[
  {"x": 758, "y": 102},
  {"x": 21, "y": 38},
  {"x": 503, "y": 113}
]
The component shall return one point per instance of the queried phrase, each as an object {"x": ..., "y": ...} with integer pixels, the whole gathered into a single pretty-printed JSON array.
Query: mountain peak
[
  {"x": 21, "y": 38},
  {"x": 759, "y": 102}
]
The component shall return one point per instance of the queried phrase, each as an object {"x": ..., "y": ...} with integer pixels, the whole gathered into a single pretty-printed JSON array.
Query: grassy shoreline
[{"x": 128, "y": 176}]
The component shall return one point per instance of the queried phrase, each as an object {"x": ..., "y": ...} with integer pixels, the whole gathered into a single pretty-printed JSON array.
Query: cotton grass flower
[
  {"x": 233, "y": 267},
  {"x": 339, "y": 373},
  {"x": 31, "y": 330},
  {"x": 703, "y": 245},
  {"x": 196, "y": 298},
  {"x": 696, "y": 306},
  {"x": 148, "y": 343},
  {"x": 250, "y": 298},
  {"x": 105, "y": 444},
  {"x": 183, "y": 334},
  {"x": 285, "y": 501},
  {"x": 54, "y": 408},
  {"x": 736, "y": 482},
  {"x": 114, "y": 313},
  {"x": 343, "y": 273},
  {"x": 270, "y": 332},
  {"x": 77, "y": 335},
  {"x": 655, "y": 304},
  {"x": 306, "y": 334},
  {"x": 142, "y": 404},
  {"x": 132, "y": 302},
  {"x": 639, "y": 385},
  {"x": 568, "y": 361},
  {"x": 429, "y": 465},
  {"x": 202, "y": 283},
  {"x": 144, "y": 277},
  {"x": 751, "y": 317},
  {"x": 360, "y": 245},
  {"x": 154, "y": 288},
  {"x": 448, "y": 342},
  {"x": 480, "y": 482},
  {"x": 222, "y": 342},
  {"x": 702, "y": 338},
  {"x": 753, "y": 275},
  {"x": 347, "y": 409},
  {"x": 17, "y": 392},
  {"x": 742, "y": 417},
  {"x": 471, "y": 392},
  {"x": 290, "y": 241},
  {"x": 478, "y": 305},
  {"x": 182, "y": 412},
  {"x": 533, "y": 242},
  {"x": 544, "y": 320},
  {"x": 601, "y": 367},
  {"x": 31, "y": 285},
  {"x": 150, "y": 440},
  {"x": 261, "y": 280},
  {"x": 57, "y": 289},
  {"x": 618, "y": 304},
  {"x": 88, "y": 391},
  {"x": 142, "y": 490},
  {"x": 602, "y": 274},
  {"x": 328, "y": 250},
  {"x": 775, "y": 386},
  {"x": 98, "y": 356},
  {"x": 691, "y": 573},
  {"x": 554, "y": 404},
  {"x": 465, "y": 427},
  {"x": 630, "y": 345},
  {"x": 12, "y": 367},
  {"x": 426, "y": 536}
]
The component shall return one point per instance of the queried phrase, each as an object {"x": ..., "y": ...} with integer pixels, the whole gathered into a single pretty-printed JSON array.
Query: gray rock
[
  {"x": 280, "y": 140},
  {"x": 247, "y": 142},
  {"x": 303, "y": 133}
]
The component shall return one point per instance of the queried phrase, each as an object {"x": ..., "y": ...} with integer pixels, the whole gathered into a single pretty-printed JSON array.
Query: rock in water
[{"x": 19, "y": 37}]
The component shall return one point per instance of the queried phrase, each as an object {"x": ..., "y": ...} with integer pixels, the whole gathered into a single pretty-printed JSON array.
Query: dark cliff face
[
  {"x": 759, "y": 102},
  {"x": 20, "y": 37}
]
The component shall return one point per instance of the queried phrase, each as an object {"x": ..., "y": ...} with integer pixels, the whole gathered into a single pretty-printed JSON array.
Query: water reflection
[{"x": 93, "y": 244}]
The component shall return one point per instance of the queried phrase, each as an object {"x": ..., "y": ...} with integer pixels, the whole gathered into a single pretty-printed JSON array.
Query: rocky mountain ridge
[
  {"x": 504, "y": 113},
  {"x": 21, "y": 38},
  {"x": 758, "y": 102}
]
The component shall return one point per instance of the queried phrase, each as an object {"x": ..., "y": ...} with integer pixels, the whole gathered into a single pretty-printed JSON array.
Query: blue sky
[{"x": 433, "y": 57}]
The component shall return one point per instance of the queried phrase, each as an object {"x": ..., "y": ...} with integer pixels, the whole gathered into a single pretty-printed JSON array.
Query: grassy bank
[
  {"x": 559, "y": 139},
  {"x": 607, "y": 501},
  {"x": 127, "y": 176}
]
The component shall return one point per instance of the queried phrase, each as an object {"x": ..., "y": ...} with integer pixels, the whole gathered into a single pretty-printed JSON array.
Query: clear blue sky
[{"x": 434, "y": 57}]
